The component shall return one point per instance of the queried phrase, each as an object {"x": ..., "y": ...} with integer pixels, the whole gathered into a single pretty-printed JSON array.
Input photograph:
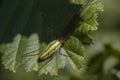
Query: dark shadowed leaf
[{"x": 44, "y": 17}]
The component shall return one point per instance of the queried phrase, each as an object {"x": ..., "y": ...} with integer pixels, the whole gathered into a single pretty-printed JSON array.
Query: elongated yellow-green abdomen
[{"x": 49, "y": 50}]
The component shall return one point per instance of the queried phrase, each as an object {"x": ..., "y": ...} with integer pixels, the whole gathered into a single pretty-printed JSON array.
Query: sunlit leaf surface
[{"x": 24, "y": 51}]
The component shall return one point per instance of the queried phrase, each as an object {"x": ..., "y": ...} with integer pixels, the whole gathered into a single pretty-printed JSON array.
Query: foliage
[
  {"x": 102, "y": 66},
  {"x": 22, "y": 51}
]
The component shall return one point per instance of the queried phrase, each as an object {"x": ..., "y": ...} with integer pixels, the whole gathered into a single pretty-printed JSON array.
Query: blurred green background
[{"x": 102, "y": 57}]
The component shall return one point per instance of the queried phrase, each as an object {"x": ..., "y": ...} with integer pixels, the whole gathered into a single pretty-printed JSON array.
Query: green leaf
[
  {"x": 68, "y": 55},
  {"x": 31, "y": 53},
  {"x": 12, "y": 53},
  {"x": 85, "y": 38},
  {"x": 75, "y": 51},
  {"x": 52, "y": 65},
  {"x": 23, "y": 51},
  {"x": 89, "y": 23},
  {"x": 74, "y": 45},
  {"x": 89, "y": 15}
]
